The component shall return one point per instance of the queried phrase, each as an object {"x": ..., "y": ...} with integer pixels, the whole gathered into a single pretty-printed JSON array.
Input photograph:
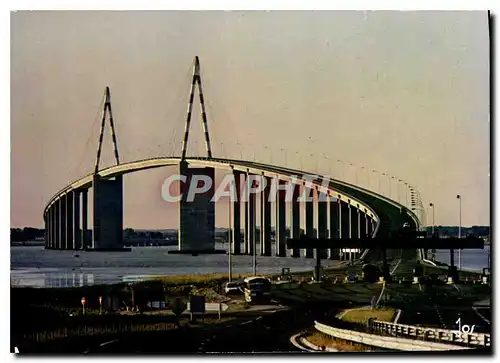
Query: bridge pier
[
  {"x": 322, "y": 222},
  {"x": 355, "y": 231},
  {"x": 236, "y": 228},
  {"x": 108, "y": 213},
  {"x": 363, "y": 233},
  {"x": 77, "y": 243},
  {"x": 57, "y": 229},
  {"x": 86, "y": 241},
  {"x": 265, "y": 219},
  {"x": 309, "y": 216},
  {"x": 62, "y": 216},
  {"x": 345, "y": 225},
  {"x": 334, "y": 227},
  {"x": 280, "y": 230},
  {"x": 249, "y": 217},
  {"x": 48, "y": 228},
  {"x": 69, "y": 220},
  {"x": 295, "y": 225},
  {"x": 197, "y": 216}
]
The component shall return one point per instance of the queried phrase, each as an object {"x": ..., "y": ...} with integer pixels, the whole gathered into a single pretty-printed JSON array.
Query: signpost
[
  {"x": 83, "y": 305},
  {"x": 178, "y": 307},
  {"x": 100, "y": 305}
]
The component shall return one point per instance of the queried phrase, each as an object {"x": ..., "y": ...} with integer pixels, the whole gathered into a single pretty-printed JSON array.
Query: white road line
[
  {"x": 481, "y": 315},
  {"x": 106, "y": 343},
  {"x": 395, "y": 267}
]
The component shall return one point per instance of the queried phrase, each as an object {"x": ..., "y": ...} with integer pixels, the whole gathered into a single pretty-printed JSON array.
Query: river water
[{"x": 37, "y": 267}]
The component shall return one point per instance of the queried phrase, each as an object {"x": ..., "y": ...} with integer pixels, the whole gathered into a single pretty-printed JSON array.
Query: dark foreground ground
[
  {"x": 243, "y": 334},
  {"x": 240, "y": 331}
]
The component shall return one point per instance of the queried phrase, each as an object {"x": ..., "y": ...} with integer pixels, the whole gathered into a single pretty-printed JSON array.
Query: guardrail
[
  {"x": 386, "y": 342},
  {"x": 433, "y": 334}
]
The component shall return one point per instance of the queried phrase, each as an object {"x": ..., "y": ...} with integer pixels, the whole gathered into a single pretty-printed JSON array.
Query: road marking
[
  {"x": 481, "y": 315},
  {"x": 106, "y": 343},
  {"x": 395, "y": 267}
]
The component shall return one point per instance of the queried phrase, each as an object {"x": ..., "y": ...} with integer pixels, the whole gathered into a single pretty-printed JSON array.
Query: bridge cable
[
  {"x": 177, "y": 101},
  {"x": 90, "y": 137}
]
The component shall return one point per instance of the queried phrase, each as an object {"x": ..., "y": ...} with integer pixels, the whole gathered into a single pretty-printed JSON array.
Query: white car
[{"x": 232, "y": 287}]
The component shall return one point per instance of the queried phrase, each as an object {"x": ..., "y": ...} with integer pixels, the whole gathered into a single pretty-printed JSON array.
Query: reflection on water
[
  {"x": 474, "y": 260},
  {"x": 37, "y": 267}
]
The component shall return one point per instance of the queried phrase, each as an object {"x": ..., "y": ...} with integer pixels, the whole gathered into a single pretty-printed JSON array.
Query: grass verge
[
  {"x": 362, "y": 315},
  {"x": 320, "y": 339}
]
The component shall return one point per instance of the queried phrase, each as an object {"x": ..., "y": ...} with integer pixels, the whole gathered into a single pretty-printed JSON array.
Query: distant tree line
[
  {"x": 452, "y": 231},
  {"x": 26, "y": 234}
]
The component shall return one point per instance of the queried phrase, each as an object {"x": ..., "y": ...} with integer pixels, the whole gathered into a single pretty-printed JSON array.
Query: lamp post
[
  {"x": 376, "y": 172},
  {"x": 432, "y": 206},
  {"x": 367, "y": 177},
  {"x": 459, "y": 229},
  {"x": 406, "y": 194},
  {"x": 399, "y": 194},
  {"x": 237, "y": 146},
  {"x": 284, "y": 150},
  {"x": 392, "y": 177},
  {"x": 229, "y": 237},
  {"x": 355, "y": 173},
  {"x": 328, "y": 163},
  {"x": 389, "y": 179},
  {"x": 301, "y": 164},
  {"x": 343, "y": 168},
  {"x": 270, "y": 154}
]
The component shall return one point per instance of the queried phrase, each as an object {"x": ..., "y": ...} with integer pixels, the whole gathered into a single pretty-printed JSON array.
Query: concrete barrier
[
  {"x": 435, "y": 334},
  {"x": 386, "y": 342}
]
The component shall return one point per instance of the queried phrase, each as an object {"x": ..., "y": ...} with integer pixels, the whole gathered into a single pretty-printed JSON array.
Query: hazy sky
[{"x": 406, "y": 93}]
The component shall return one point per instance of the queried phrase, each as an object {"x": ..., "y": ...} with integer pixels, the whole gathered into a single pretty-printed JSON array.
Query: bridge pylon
[
  {"x": 196, "y": 81},
  {"x": 108, "y": 195},
  {"x": 107, "y": 108}
]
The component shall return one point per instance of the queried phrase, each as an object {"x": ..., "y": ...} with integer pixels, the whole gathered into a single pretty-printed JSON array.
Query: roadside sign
[
  {"x": 83, "y": 301},
  {"x": 100, "y": 300},
  {"x": 211, "y": 307},
  {"x": 197, "y": 303}
]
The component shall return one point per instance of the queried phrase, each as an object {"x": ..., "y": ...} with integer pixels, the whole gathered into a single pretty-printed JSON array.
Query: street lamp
[
  {"x": 389, "y": 180},
  {"x": 229, "y": 238},
  {"x": 392, "y": 177},
  {"x": 301, "y": 164},
  {"x": 270, "y": 154},
  {"x": 328, "y": 162},
  {"x": 432, "y": 206},
  {"x": 406, "y": 194},
  {"x": 284, "y": 150},
  {"x": 399, "y": 194},
  {"x": 241, "y": 153},
  {"x": 376, "y": 172},
  {"x": 343, "y": 168},
  {"x": 355, "y": 172},
  {"x": 459, "y": 229},
  {"x": 367, "y": 177}
]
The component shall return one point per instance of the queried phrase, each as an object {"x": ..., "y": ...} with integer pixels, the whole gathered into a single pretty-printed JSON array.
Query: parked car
[{"x": 233, "y": 287}]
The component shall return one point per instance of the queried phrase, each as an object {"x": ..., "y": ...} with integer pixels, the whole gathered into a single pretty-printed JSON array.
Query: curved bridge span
[
  {"x": 352, "y": 212},
  {"x": 336, "y": 210}
]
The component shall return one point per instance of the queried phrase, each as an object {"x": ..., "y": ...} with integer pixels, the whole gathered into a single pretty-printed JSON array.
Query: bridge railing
[
  {"x": 386, "y": 342},
  {"x": 431, "y": 334}
]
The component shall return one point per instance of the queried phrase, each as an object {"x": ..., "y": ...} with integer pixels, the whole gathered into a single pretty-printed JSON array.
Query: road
[{"x": 264, "y": 334}]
